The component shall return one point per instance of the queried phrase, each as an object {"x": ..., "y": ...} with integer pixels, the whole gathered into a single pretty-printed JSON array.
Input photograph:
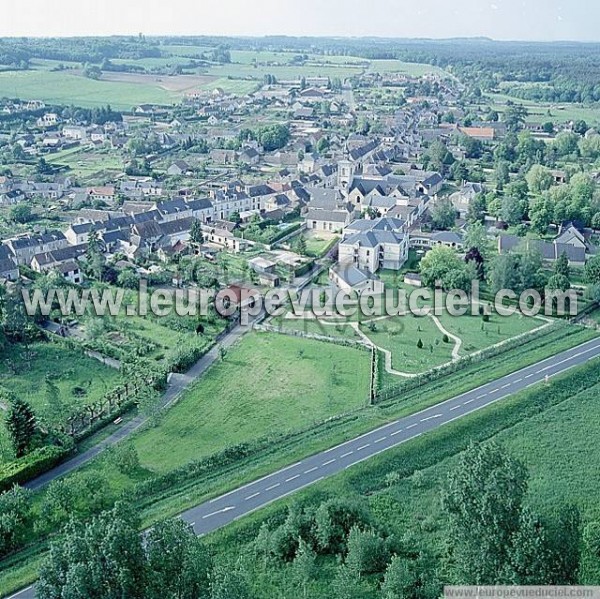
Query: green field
[
  {"x": 413, "y": 69},
  {"x": 282, "y": 384},
  {"x": 69, "y": 87},
  {"x": 86, "y": 164},
  {"x": 47, "y": 82},
  {"x": 540, "y": 112},
  {"x": 477, "y": 335}
]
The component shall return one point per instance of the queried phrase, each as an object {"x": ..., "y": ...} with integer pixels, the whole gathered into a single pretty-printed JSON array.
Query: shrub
[
  {"x": 33, "y": 464},
  {"x": 445, "y": 338},
  {"x": 420, "y": 343}
]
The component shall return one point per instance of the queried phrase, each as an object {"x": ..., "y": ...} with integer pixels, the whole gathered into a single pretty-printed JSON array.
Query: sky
[{"x": 534, "y": 20}]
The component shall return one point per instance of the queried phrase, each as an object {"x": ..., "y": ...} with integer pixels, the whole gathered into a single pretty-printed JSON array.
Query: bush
[
  {"x": 183, "y": 357},
  {"x": 420, "y": 343},
  {"x": 445, "y": 338},
  {"x": 15, "y": 514},
  {"x": 33, "y": 464}
]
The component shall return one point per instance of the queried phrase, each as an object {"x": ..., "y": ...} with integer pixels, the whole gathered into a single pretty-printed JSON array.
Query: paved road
[
  {"x": 232, "y": 506},
  {"x": 222, "y": 510},
  {"x": 178, "y": 383}
]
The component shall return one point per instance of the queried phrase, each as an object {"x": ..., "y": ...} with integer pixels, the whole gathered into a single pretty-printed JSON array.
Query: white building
[{"x": 374, "y": 244}]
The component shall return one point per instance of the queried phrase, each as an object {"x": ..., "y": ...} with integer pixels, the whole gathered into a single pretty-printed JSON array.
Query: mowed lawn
[
  {"x": 477, "y": 334},
  {"x": 268, "y": 384},
  {"x": 400, "y": 335}
]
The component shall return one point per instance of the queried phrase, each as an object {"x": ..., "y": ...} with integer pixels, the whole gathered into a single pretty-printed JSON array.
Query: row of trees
[{"x": 518, "y": 270}]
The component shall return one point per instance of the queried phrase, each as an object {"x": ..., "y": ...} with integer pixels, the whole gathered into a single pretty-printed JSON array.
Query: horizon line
[{"x": 473, "y": 38}]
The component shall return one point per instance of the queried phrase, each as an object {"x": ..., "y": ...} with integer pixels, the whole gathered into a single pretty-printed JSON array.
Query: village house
[
  {"x": 348, "y": 277},
  {"x": 461, "y": 199},
  {"x": 549, "y": 250},
  {"x": 46, "y": 261},
  {"x": 25, "y": 247},
  {"x": 249, "y": 156},
  {"x": 106, "y": 194},
  {"x": 374, "y": 244},
  {"x": 9, "y": 271},
  {"x": 179, "y": 168},
  {"x": 222, "y": 237},
  {"x": 50, "y": 119},
  {"x": 223, "y": 157},
  {"x": 171, "y": 210}
]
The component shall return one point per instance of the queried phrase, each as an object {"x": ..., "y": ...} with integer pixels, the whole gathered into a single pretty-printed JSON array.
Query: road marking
[
  {"x": 431, "y": 417},
  {"x": 254, "y": 482},
  {"x": 494, "y": 391},
  {"x": 518, "y": 381},
  {"x": 380, "y": 440},
  {"x": 345, "y": 455},
  {"x": 412, "y": 426},
  {"x": 396, "y": 432},
  {"x": 225, "y": 509},
  {"x": 192, "y": 524},
  {"x": 252, "y": 496},
  {"x": 273, "y": 487},
  {"x": 311, "y": 470},
  {"x": 468, "y": 402},
  {"x": 363, "y": 447},
  {"x": 329, "y": 462},
  {"x": 455, "y": 408},
  {"x": 287, "y": 480},
  {"x": 530, "y": 375},
  {"x": 479, "y": 396},
  {"x": 504, "y": 386}
]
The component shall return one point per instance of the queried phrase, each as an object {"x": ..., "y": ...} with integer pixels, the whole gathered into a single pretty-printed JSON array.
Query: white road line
[
  {"x": 363, "y": 446},
  {"x": 505, "y": 386},
  {"x": 396, "y": 432},
  {"x": 192, "y": 524},
  {"x": 455, "y": 408},
  {"x": 225, "y": 509},
  {"x": 466, "y": 403},
  {"x": 494, "y": 391},
  {"x": 380, "y": 440},
  {"x": 345, "y": 455},
  {"x": 287, "y": 480},
  {"x": 273, "y": 487},
  {"x": 480, "y": 396},
  {"x": 254, "y": 482},
  {"x": 530, "y": 375},
  {"x": 412, "y": 426},
  {"x": 518, "y": 380},
  {"x": 431, "y": 417},
  {"x": 328, "y": 462},
  {"x": 311, "y": 470},
  {"x": 252, "y": 496}
]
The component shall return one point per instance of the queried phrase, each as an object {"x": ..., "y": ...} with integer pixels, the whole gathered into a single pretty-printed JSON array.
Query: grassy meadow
[{"x": 282, "y": 384}]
